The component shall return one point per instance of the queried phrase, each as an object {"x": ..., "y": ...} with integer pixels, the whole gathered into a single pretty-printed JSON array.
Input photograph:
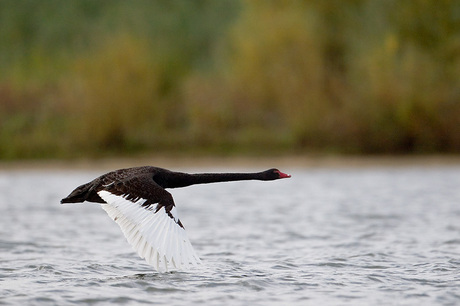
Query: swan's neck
[{"x": 185, "y": 179}]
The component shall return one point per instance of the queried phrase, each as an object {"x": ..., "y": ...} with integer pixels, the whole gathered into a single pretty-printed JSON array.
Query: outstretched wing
[{"x": 148, "y": 218}]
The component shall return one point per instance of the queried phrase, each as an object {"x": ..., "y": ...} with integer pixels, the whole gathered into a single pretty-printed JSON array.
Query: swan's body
[{"x": 136, "y": 199}]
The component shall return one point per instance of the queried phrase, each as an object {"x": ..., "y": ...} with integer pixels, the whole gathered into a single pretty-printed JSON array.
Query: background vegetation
[{"x": 85, "y": 77}]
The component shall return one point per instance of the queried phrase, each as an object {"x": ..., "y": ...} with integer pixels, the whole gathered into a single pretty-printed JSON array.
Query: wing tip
[{"x": 155, "y": 236}]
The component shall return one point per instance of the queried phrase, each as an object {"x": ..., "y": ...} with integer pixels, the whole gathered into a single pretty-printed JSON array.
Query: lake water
[{"x": 348, "y": 236}]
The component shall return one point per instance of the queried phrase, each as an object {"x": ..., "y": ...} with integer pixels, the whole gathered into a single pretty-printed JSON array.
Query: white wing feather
[{"x": 155, "y": 236}]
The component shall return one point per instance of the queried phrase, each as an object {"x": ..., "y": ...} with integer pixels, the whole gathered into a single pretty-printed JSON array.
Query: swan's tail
[{"x": 83, "y": 193}]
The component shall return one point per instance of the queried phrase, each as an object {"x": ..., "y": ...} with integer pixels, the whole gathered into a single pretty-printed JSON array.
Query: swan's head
[{"x": 274, "y": 174}]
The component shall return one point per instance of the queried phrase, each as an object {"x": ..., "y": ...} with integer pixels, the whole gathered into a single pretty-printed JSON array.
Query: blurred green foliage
[{"x": 117, "y": 77}]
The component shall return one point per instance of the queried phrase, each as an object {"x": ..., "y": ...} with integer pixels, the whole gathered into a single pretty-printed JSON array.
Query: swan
[{"x": 137, "y": 200}]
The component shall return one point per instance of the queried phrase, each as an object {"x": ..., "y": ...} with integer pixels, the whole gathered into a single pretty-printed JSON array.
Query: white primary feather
[{"x": 155, "y": 236}]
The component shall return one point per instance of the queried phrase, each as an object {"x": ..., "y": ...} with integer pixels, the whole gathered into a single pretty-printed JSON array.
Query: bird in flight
[{"x": 137, "y": 200}]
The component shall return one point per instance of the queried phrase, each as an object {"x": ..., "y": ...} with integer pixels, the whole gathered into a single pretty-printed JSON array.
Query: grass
[{"x": 85, "y": 78}]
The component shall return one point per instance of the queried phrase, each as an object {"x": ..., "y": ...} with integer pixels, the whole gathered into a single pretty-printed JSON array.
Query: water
[{"x": 369, "y": 236}]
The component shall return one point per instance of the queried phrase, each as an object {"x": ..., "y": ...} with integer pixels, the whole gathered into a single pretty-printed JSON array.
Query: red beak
[{"x": 283, "y": 175}]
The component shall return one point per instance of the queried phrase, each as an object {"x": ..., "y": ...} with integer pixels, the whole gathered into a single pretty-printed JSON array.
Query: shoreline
[{"x": 289, "y": 161}]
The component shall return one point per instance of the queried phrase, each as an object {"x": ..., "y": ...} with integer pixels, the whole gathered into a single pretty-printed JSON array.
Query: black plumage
[
  {"x": 132, "y": 195},
  {"x": 149, "y": 183}
]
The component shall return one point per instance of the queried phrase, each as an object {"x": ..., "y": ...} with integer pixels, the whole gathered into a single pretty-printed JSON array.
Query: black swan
[{"x": 136, "y": 199}]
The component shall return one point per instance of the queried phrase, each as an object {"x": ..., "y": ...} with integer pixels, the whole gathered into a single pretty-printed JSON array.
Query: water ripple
[{"x": 325, "y": 237}]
